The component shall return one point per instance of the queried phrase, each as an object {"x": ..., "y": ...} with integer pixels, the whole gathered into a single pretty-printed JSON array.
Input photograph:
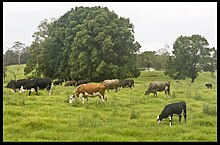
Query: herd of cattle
[{"x": 86, "y": 89}]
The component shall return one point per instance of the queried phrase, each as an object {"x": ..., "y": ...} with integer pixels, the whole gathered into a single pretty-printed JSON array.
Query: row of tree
[{"x": 94, "y": 43}]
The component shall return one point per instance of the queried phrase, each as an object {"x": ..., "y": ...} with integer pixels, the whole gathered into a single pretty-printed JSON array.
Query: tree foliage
[
  {"x": 85, "y": 43},
  {"x": 17, "y": 54},
  {"x": 191, "y": 54},
  {"x": 153, "y": 59}
]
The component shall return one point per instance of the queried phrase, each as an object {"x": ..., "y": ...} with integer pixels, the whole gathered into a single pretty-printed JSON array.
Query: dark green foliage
[{"x": 85, "y": 43}]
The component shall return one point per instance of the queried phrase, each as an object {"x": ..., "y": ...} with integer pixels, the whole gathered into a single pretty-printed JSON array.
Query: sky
[{"x": 156, "y": 24}]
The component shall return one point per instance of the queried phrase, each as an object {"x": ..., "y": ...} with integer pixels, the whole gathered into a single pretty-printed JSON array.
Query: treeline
[
  {"x": 85, "y": 43},
  {"x": 96, "y": 44}
]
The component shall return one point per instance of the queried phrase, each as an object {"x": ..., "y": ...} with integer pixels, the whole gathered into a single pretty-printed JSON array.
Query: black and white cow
[
  {"x": 38, "y": 83},
  {"x": 125, "y": 83},
  {"x": 174, "y": 108},
  {"x": 16, "y": 84}
]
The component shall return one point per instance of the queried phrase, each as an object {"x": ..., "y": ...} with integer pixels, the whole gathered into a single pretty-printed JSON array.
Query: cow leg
[
  {"x": 155, "y": 93},
  {"x": 101, "y": 98},
  {"x": 81, "y": 96},
  {"x": 170, "y": 117},
  {"x": 165, "y": 94},
  {"x": 36, "y": 90},
  {"x": 49, "y": 90},
  {"x": 180, "y": 116},
  {"x": 184, "y": 113},
  {"x": 29, "y": 92}
]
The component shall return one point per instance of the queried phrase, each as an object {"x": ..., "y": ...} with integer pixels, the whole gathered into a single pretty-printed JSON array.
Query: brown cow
[
  {"x": 89, "y": 90},
  {"x": 111, "y": 84},
  {"x": 158, "y": 86}
]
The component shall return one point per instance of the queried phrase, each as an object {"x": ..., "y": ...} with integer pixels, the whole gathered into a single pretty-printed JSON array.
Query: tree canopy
[{"x": 85, "y": 43}]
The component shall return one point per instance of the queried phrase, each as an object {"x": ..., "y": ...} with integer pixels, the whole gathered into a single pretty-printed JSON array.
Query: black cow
[
  {"x": 124, "y": 83},
  {"x": 38, "y": 83},
  {"x": 174, "y": 108},
  {"x": 209, "y": 86},
  {"x": 158, "y": 86},
  {"x": 16, "y": 84},
  {"x": 79, "y": 82},
  {"x": 59, "y": 82}
]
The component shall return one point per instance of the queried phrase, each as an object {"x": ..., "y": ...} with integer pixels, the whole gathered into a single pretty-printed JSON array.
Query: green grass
[{"x": 127, "y": 116}]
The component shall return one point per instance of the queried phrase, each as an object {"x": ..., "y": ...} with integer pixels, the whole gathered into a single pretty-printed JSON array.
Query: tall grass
[{"x": 128, "y": 115}]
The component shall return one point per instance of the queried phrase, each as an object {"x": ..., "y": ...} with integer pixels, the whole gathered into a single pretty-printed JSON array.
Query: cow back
[
  {"x": 111, "y": 83},
  {"x": 90, "y": 88}
]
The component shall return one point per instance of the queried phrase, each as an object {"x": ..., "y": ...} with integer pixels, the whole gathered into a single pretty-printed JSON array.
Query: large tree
[
  {"x": 88, "y": 43},
  {"x": 189, "y": 56},
  {"x": 18, "y": 47}
]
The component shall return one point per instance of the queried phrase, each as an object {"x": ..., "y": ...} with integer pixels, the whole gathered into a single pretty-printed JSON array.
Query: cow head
[
  {"x": 71, "y": 98},
  {"x": 159, "y": 119},
  {"x": 147, "y": 92}
]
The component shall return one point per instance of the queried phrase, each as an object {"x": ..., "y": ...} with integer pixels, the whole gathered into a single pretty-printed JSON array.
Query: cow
[
  {"x": 158, "y": 86},
  {"x": 16, "y": 84},
  {"x": 38, "y": 83},
  {"x": 79, "y": 82},
  {"x": 174, "y": 108},
  {"x": 70, "y": 83},
  {"x": 124, "y": 83},
  {"x": 59, "y": 82},
  {"x": 209, "y": 86},
  {"x": 89, "y": 90},
  {"x": 111, "y": 84}
]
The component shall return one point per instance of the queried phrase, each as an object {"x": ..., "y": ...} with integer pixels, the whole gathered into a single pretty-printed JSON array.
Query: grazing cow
[
  {"x": 209, "y": 86},
  {"x": 38, "y": 83},
  {"x": 158, "y": 86},
  {"x": 124, "y": 83},
  {"x": 111, "y": 84},
  {"x": 59, "y": 82},
  {"x": 70, "y": 83},
  {"x": 79, "y": 82},
  {"x": 174, "y": 108},
  {"x": 16, "y": 84},
  {"x": 89, "y": 90}
]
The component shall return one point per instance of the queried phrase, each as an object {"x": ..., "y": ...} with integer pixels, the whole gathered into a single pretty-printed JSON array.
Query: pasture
[{"x": 127, "y": 116}]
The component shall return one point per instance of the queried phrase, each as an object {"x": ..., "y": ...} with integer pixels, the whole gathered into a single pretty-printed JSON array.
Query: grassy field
[{"x": 127, "y": 116}]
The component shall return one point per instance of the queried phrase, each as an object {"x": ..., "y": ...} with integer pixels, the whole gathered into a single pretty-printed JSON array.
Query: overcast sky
[{"x": 155, "y": 24}]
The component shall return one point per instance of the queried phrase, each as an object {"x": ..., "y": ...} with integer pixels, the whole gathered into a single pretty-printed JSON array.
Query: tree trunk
[{"x": 193, "y": 79}]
